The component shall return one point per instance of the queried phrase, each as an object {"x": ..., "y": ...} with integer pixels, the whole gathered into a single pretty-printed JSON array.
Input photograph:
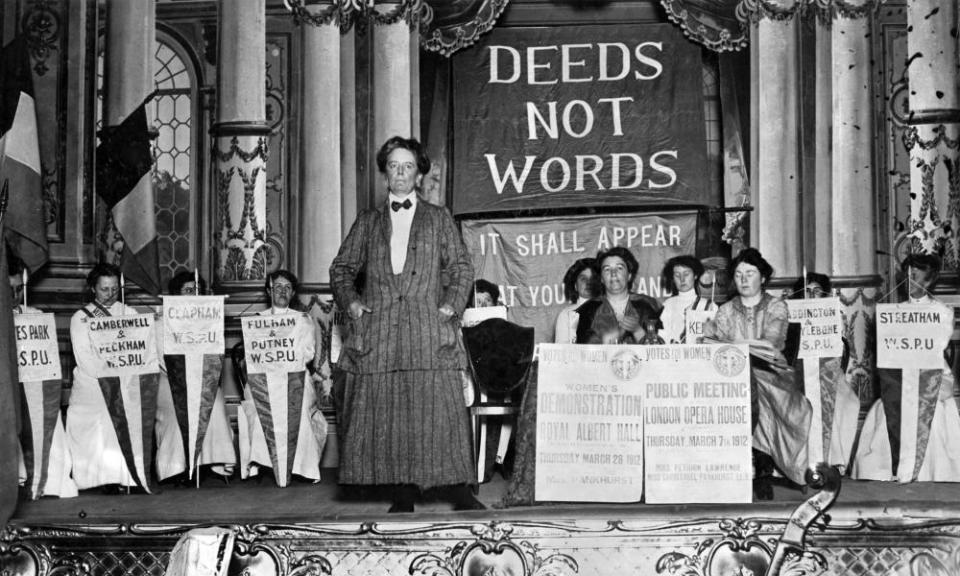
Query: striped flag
[
  {"x": 26, "y": 229},
  {"x": 125, "y": 184}
]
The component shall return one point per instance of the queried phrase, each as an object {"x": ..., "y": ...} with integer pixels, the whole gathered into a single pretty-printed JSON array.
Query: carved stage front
[{"x": 304, "y": 530}]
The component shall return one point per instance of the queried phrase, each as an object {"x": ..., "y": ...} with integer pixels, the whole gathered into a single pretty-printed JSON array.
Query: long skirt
[
  {"x": 781, "y": 418},
  {"x": 406, "y": 427}
]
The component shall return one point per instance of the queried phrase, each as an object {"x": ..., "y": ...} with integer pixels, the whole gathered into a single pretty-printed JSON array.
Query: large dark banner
[
  {"x": 527, "y": 257},
  {"x": 578, "y": 116}
]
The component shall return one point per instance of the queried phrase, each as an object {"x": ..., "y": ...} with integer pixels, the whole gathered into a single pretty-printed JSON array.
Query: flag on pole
[
  {"x": 125, "y": 184},
  {"x": 26, "y": 229}
]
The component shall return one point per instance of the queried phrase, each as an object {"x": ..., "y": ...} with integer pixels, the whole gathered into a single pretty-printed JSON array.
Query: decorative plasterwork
[
  {"x": 447, "y": 35},
  {"x": 712, "y": 24}
]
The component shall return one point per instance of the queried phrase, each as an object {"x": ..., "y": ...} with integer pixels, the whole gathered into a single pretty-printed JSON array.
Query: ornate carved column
[
  {"x": 933, "y": 139},
  {"x": 851, "y": 188},
  {"x": 395, "y": 73},
  {"x": 240, "y": 144},
  {"x": 320, "y": 200},
  {"x": 775, "y": 141}
]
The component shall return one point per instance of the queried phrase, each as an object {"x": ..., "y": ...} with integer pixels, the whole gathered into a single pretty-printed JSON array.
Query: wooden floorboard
[{"x": 246, "y": 502}]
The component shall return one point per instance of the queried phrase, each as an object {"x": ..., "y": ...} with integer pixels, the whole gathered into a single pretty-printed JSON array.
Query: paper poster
[
  {"x": 193, "y": 325},
  {"x": 912, "y": 335},
  {"x": 38, "y": 352},
  {"x": 273, "y": 343},
  {"x": 124, "y": 345},
  {"x": 589, "y": 423},
  {"x": 821, "y": 327},
  {"x": 697, "y": 424}
]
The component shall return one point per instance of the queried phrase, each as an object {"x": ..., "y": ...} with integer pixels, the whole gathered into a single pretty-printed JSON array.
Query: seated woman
[
  {"x": 217, "y": 450},
  {"x": 846, "y": 403},
  {"x": 681, "y": 275},
  {"x": 779, "y": 412},
  {"x": 281, "y": 287},
  {"x": 881, "y": 444},
  {"x": 98, "y": 459},
  {"x": 617, "y": 316},
  {"x": 580, "y": 284}
]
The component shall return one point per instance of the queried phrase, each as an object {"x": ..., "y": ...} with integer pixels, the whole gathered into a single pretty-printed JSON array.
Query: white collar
[{"x": 412, "y": 197}]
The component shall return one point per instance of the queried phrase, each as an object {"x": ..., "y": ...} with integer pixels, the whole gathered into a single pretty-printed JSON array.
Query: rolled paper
[
  {"x": 123, "y": 299},
  {"x": 196, "y": 281},
  {"x": 24, "y": 288},
  {"x": 804, "y": 281}
]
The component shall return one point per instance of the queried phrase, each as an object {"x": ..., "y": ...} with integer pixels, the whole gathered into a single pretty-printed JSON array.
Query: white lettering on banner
[
  {"x": 507, "y": 63},
  {"x": 38, "y": 353},
  {"x": 555, "y": 172},
  {"x": 274, "y": 343},
  {"x": 912, "y": 336}
]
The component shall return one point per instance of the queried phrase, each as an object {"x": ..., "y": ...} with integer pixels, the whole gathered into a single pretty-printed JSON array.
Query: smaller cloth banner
[
  {"x": 276, "y": 355},
  {"x": 38, "y": 352},
  {"x": 821, "y": 327},
  {"x": 42, "y": 439},
  {"x": 911, "y": 339},
  {"x": 193, "y": 345},
  {"x": 125, "y": 351},
  {"x": 821, "y": 338},
  {"x": 694, "y": 321}
]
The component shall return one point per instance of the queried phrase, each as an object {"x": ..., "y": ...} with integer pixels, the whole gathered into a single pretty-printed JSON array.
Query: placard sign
[
  {"x": 589, "y": 423},
  {"x": 38, "y": 353},
  {"x": 271, "y": 343},
  {"x": 193, "y": 325},
  {"x": 697, "y": 423},
  {"x": 821, "y": 326},
  {"x": 124, "y": 345},
  {"x": 695, "y": 320},
  {"x": 912, "y": 335}
]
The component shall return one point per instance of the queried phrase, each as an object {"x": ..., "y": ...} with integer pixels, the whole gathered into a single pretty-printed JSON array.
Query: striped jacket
[{"x": 405, "y": 331}]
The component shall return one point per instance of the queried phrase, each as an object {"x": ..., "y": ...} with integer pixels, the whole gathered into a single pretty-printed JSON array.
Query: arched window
[
  {"x": 714, "y": 130},
  {"x": 175, "y": 176}
]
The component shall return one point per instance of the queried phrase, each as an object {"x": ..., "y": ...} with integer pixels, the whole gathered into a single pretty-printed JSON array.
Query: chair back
[{"x": 500, "y": 353}]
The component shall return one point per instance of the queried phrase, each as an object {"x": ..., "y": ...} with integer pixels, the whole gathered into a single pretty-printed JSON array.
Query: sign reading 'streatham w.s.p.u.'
[{"x": 578, "y": 116}]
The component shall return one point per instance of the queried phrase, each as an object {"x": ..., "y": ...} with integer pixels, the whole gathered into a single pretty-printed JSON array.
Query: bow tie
[{"x": 396, "y": 206}]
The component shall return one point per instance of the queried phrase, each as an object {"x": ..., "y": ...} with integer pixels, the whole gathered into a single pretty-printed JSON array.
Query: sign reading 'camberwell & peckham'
[{"x": 577, "y": 117}]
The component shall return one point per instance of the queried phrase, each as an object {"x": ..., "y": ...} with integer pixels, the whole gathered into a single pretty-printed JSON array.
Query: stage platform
[{"x": 312, "y": 529}]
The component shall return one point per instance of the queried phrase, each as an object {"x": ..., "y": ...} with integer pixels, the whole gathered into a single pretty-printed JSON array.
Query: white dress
[
  {"x": 91, "y": 438},
  {"x": 565, "y": 331},
  {"x": 254, "y": 452},
  {"x": 58, "y": 481},
  {"x": 941, "y": 461},
  {"x": 674, "y": 316}
]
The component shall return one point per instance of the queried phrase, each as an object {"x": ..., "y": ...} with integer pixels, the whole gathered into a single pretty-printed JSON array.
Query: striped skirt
[{"x": 408, "y": 427}]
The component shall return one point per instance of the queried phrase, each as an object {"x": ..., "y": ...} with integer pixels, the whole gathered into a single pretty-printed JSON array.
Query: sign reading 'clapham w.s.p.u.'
[{"x": 578, "y": 116}]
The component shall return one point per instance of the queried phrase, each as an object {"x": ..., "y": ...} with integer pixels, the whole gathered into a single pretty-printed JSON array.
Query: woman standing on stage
[
  {"x": 682, "y": 276},
  {"x": 405, "y": 424},
  {"x": 618, "y": 316},
  {"x": 780, "y": 413},
  {"x": 580, "y": 284}
]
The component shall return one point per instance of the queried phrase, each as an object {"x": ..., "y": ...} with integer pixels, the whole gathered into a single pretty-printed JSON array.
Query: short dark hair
[
  {"x": 628, "y": 258},
  {"x": 281, "y": 273},
  {"x": 101, "y": 270},
  {"x": 573, "y": 272},
  {"x": 687, "y": 261},
  {"x": 752, "y": 257},
  {"x": 177, "y": 283},
  {"x": 929, "y": 263},
  {"x": 481, "y": 285},
  {"x": 411, "y": 144},
  {"x": 800, "y": 286}
]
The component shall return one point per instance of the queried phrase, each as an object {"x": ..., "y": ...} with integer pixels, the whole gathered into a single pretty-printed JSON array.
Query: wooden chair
[{"x": 499, "y": 354}]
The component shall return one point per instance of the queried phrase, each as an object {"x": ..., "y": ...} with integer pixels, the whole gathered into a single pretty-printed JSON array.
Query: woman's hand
[
  {"x": 611, "y": 337},
  {"x": 357, "y": 309},
  {"x": 446, "y": 311},
  {"x": 630, "y": 324}
]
